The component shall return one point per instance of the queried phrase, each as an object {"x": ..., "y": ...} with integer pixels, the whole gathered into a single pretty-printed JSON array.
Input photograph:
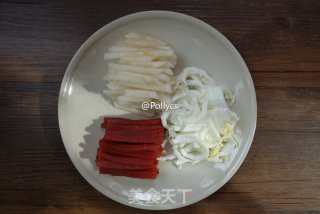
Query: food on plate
[
  {"x": 139, "y": 70},
  {"x": 201, "y": 128},
  {"x": 130, "y": 147}
]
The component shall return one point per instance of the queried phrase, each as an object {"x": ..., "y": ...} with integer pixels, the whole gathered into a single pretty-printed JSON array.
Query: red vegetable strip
[
  {"x": 130, "y": 147},
  {"x": 133, "y": 133},
  {"x": 137, "y": 132},
  {"x": 114, "y": 165},
  {"x": 117, "y": 127},
  {"x": 123, "y": 121},
  {"x": 127, "y": 147},
  {"x": 124, "y": 159},
  {"x": 136, "y": 154},
  {"x": 128, "y": 160},
  {"x": 103, "y": 162},
  {"x": 133, "y": 139}
]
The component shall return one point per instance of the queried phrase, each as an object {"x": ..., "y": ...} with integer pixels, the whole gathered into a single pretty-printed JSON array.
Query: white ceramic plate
[{"x": 82, "y": 107}]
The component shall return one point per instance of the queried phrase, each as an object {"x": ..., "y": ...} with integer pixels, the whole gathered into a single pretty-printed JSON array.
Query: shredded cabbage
[{"x": 200, "y": 129}]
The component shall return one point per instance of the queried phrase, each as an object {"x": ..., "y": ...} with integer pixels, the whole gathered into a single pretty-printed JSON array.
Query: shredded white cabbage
[{"x": 201, "y": 128}]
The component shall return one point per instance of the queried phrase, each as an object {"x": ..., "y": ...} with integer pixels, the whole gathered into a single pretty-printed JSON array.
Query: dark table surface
[{"x": 280, "y": 42}]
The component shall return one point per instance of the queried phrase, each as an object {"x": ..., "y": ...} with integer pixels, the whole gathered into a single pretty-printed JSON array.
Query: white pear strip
[
  {"x": 163, "y": 77},
  {"x": 135, "y": 105},
  {"x": 118, "y": 48},
  {"x": 116, "y": 55},
  {"x": 137, "y": 43},
  {"x": 159, "y": 53},
  {"x": 156, "y": 79},
  {"x": 141, "y": 93},
  {"x": 151, "y": 78},
  {"x": 140, "y": 69},
  {"x": 126, "y": 49},
  {"x": 123, "y": 78},
  {"x": 153, "y": 64},
  {"x": 168, "y": 71},
  {"x": 141, "y": 43},
  {"x": 142, "y": 52},
  {"x": 111, "y": 85},
  {"x": 164, "y": 88},
  {"x": 172, "y": 59},
  {"x": 133, "y": 99},
  {"x": 141, "y": 112},
  {"x": 138, "y": 58},
  {"x": 113, "y": 92},
  {"x": 130, "y": 104}
]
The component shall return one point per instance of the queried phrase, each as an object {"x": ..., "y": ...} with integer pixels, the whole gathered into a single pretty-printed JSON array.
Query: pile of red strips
[{"x": 130, "y": 147}]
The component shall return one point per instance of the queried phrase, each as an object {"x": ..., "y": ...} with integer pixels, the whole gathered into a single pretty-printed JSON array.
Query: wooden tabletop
[{"x": 280, "y": 42}]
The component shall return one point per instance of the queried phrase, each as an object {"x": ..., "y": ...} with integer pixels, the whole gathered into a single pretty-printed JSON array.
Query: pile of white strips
[{"x": 140, "y": 71}]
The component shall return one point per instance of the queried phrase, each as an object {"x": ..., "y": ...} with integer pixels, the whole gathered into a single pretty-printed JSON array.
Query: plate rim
[{"x": 67, "y": 80}]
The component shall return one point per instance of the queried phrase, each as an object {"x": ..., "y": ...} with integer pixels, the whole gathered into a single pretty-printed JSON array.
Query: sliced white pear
[
  {"x": 137, "y": 77},
  {"x": 166, "y": 88},
  {"x": 113, "y": 93},
  {"x": 138, "y": 55},
  {"x": 139, "y": 69},
  {"x": 153, "y": 64},
  {"x": 123, "y": 78},
  {"x": 132, "y": 110},
  {"x": 132, "y": 99},
  {"x": 141, "y": 93}
]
